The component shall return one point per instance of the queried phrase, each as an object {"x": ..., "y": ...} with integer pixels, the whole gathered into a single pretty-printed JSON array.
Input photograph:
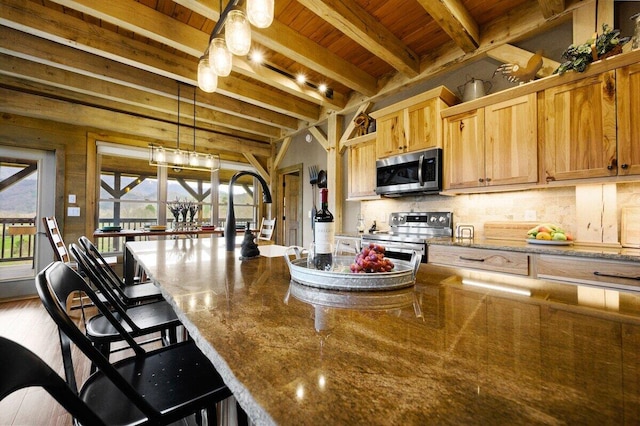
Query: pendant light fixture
[
  {"x": 220, "y": 59},
  {"x": 183, "y": 159},
  {"x": 217, "y": 60},
  {"x": 207, "y": 78},
  {"x": 260, "y": 12},
  {"x": 238, "y": 33}
]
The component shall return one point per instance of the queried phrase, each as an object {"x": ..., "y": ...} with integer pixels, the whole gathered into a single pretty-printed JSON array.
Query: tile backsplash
[{"x": 557, "y": 205}]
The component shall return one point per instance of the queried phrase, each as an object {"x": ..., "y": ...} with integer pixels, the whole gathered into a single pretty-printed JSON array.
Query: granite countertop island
[{"x": 438, "y": 352}]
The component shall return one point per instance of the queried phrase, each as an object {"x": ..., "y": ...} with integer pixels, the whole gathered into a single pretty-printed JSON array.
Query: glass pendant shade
[
  {"x": 260, "y": 12},
  {"x": 207, "y": 78},
  {"x": 220, "y": 59},
  {"x": 238, "y": 33}
]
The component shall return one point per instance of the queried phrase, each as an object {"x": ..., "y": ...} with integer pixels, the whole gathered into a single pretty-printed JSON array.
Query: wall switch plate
[
  {"x": 73, "y": 211},
  {"x": 72, "y": 198}
]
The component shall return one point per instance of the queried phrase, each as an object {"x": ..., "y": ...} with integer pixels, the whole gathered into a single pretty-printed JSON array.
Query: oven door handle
[{"x": 420, "y": 162}]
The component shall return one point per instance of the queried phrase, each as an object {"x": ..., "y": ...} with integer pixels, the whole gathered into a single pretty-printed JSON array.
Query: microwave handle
[{"x": 420, "y": 161}]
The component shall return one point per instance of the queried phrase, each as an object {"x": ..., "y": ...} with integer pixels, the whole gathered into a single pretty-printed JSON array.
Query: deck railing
[
  {"x": 14, "y": 245},
  {"x": 116, "y": 244},
  {"x": 20, "y": 247}
]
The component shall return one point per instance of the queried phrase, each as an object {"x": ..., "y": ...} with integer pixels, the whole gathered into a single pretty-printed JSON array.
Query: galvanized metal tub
[{"x": 403, "y": 274}]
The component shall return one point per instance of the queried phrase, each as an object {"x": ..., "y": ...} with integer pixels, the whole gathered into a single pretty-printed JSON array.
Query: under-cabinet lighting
[{"x": 498, "y": 287}]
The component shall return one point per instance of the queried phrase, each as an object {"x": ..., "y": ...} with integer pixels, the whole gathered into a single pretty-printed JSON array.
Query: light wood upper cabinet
[
  {"x": 391, "y": 137},
  {"x": 511, "y": 138},
  {"x": 362, "y": 170},
  {"x": 580, "y": 128},
  {"x": 494, "y": 145},
  {"x": 464, "y": 150},
  {"x": 413, "y": 124},
  {"x": 628, "y": 109}
]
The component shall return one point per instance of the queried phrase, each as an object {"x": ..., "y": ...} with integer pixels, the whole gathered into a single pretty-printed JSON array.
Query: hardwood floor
[{"x": 28, "y": 323}]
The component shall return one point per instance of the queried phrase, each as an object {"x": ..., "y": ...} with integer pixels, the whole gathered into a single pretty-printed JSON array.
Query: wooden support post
[{"x": 334, "y": 169}]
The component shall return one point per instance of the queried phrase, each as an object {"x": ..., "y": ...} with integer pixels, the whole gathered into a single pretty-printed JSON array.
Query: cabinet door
[
  {"x": 511, "y": 141},
  {"x": 464, "y": 150},
  {"x": 628, "y": 82},
  {"x": 425, "y": 126},
  {"x": 580, "y": 129},
  {"x": 362, "y": 170},
  {"x": 391, "y": 138}
]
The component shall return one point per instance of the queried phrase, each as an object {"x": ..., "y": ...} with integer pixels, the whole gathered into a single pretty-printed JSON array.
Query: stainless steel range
[{"x": 410, "y": 231}]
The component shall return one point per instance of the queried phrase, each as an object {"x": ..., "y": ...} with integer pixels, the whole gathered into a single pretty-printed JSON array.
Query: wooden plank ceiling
[{"x": 126, "y": 58}]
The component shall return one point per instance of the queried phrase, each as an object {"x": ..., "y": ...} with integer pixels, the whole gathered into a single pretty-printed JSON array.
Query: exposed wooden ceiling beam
[
  {"x": 145, "y": 21},
  {"x": 157, "y": 26},
  {"x": 35, "y": 106},
  {"x": 113, "y": 96},
  {"x": 52, "y": 25},
  {"x": 286, "y": 142},
  {"x": 357, "y": 24},
  {"x": 551, "y": 7},
  {"x": 256, "y": 164},
  {"x": 454, "y": 18},
  {"x": 510, "y": 54},
  {"x": 288, "y": 85},
  {"x": 39, "y": 50},
  {"x": 524, "y": 21},
  {"x": 282, "y": 39}
]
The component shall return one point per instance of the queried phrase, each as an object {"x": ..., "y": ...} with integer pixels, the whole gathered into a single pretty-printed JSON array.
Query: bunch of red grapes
[{"x": 371, "y": 259}]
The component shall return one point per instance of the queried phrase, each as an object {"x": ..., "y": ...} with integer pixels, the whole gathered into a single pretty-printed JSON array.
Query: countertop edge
[{"x": 592, "y": 252}]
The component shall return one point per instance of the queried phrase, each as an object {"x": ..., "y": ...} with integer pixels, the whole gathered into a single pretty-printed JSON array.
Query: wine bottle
[{"x": 323, "y": 232}]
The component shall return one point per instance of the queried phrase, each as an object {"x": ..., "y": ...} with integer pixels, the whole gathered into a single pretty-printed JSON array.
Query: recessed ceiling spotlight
[
  {"x": 301, "y": 78},
  {"x": 322, "y": 88}
]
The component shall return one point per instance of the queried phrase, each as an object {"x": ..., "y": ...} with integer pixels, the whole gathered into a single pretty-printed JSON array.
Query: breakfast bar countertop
[
  {"x": 577, "y": 249},
  {"x": 439, "y": 352}
]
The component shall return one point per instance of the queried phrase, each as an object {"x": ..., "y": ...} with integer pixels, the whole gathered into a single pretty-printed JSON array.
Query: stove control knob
[
  {"x": 433, "y": 219},
  {"x": 442, "y": 219}
]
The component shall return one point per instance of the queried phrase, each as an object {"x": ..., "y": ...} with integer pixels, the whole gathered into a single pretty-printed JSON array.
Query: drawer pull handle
[
  {"x": 602, "y": 274},
  {"x": 471, "y": 259}
]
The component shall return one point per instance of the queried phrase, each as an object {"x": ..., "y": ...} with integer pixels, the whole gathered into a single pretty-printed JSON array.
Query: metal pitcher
[{"x": 474, "y": 89}]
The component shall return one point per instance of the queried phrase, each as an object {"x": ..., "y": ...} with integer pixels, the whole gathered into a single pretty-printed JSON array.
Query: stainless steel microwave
[{"x": 410, "y": 174}]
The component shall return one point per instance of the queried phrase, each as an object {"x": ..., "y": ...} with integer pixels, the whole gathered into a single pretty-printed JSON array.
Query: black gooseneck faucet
[{"x": 230, "y": 224}]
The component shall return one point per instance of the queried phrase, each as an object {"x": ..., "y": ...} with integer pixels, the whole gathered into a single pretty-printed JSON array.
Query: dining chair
[
  {"x": 266, "y": 229},
  {"x": 159, "y": 386},
  {"x": 20, "y": 368},
  {"x": 138, "y": 320},
  {"x": 130, "y": 294},
  {"x": 52, "y": 230}
]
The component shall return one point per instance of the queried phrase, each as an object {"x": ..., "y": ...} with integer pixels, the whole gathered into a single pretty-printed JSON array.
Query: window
[{"x": 134, "y": 194}]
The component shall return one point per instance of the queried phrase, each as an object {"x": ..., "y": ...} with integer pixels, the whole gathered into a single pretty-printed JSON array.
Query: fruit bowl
[
  {"x": 549, "y": 234},
  {"x": 403, "y": 274}
]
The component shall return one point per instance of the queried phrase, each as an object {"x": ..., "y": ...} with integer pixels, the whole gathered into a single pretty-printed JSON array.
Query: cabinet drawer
[
  {"x": 589, "y": 271},
  {"x": 488, "y": 260}
]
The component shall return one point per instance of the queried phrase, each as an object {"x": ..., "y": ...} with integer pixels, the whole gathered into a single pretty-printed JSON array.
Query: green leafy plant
[{"x": 578, "y": 57}]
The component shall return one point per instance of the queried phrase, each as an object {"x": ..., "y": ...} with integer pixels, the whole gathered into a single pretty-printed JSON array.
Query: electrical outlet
[
  {"x": 530, "y": 215},
  {"x": 73, "y": 211}
]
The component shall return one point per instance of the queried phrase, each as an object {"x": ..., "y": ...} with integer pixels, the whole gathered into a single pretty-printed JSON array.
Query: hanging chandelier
[
  {"x": 179, "y": 159},
  {"x": 218, "y": 58}
]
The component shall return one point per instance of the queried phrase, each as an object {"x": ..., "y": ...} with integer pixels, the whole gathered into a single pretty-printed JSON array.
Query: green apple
[{"x": 559, "y": 236}]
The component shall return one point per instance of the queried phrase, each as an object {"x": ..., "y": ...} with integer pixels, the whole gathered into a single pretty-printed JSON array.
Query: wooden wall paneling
[{"x": 44, "y": 135}]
